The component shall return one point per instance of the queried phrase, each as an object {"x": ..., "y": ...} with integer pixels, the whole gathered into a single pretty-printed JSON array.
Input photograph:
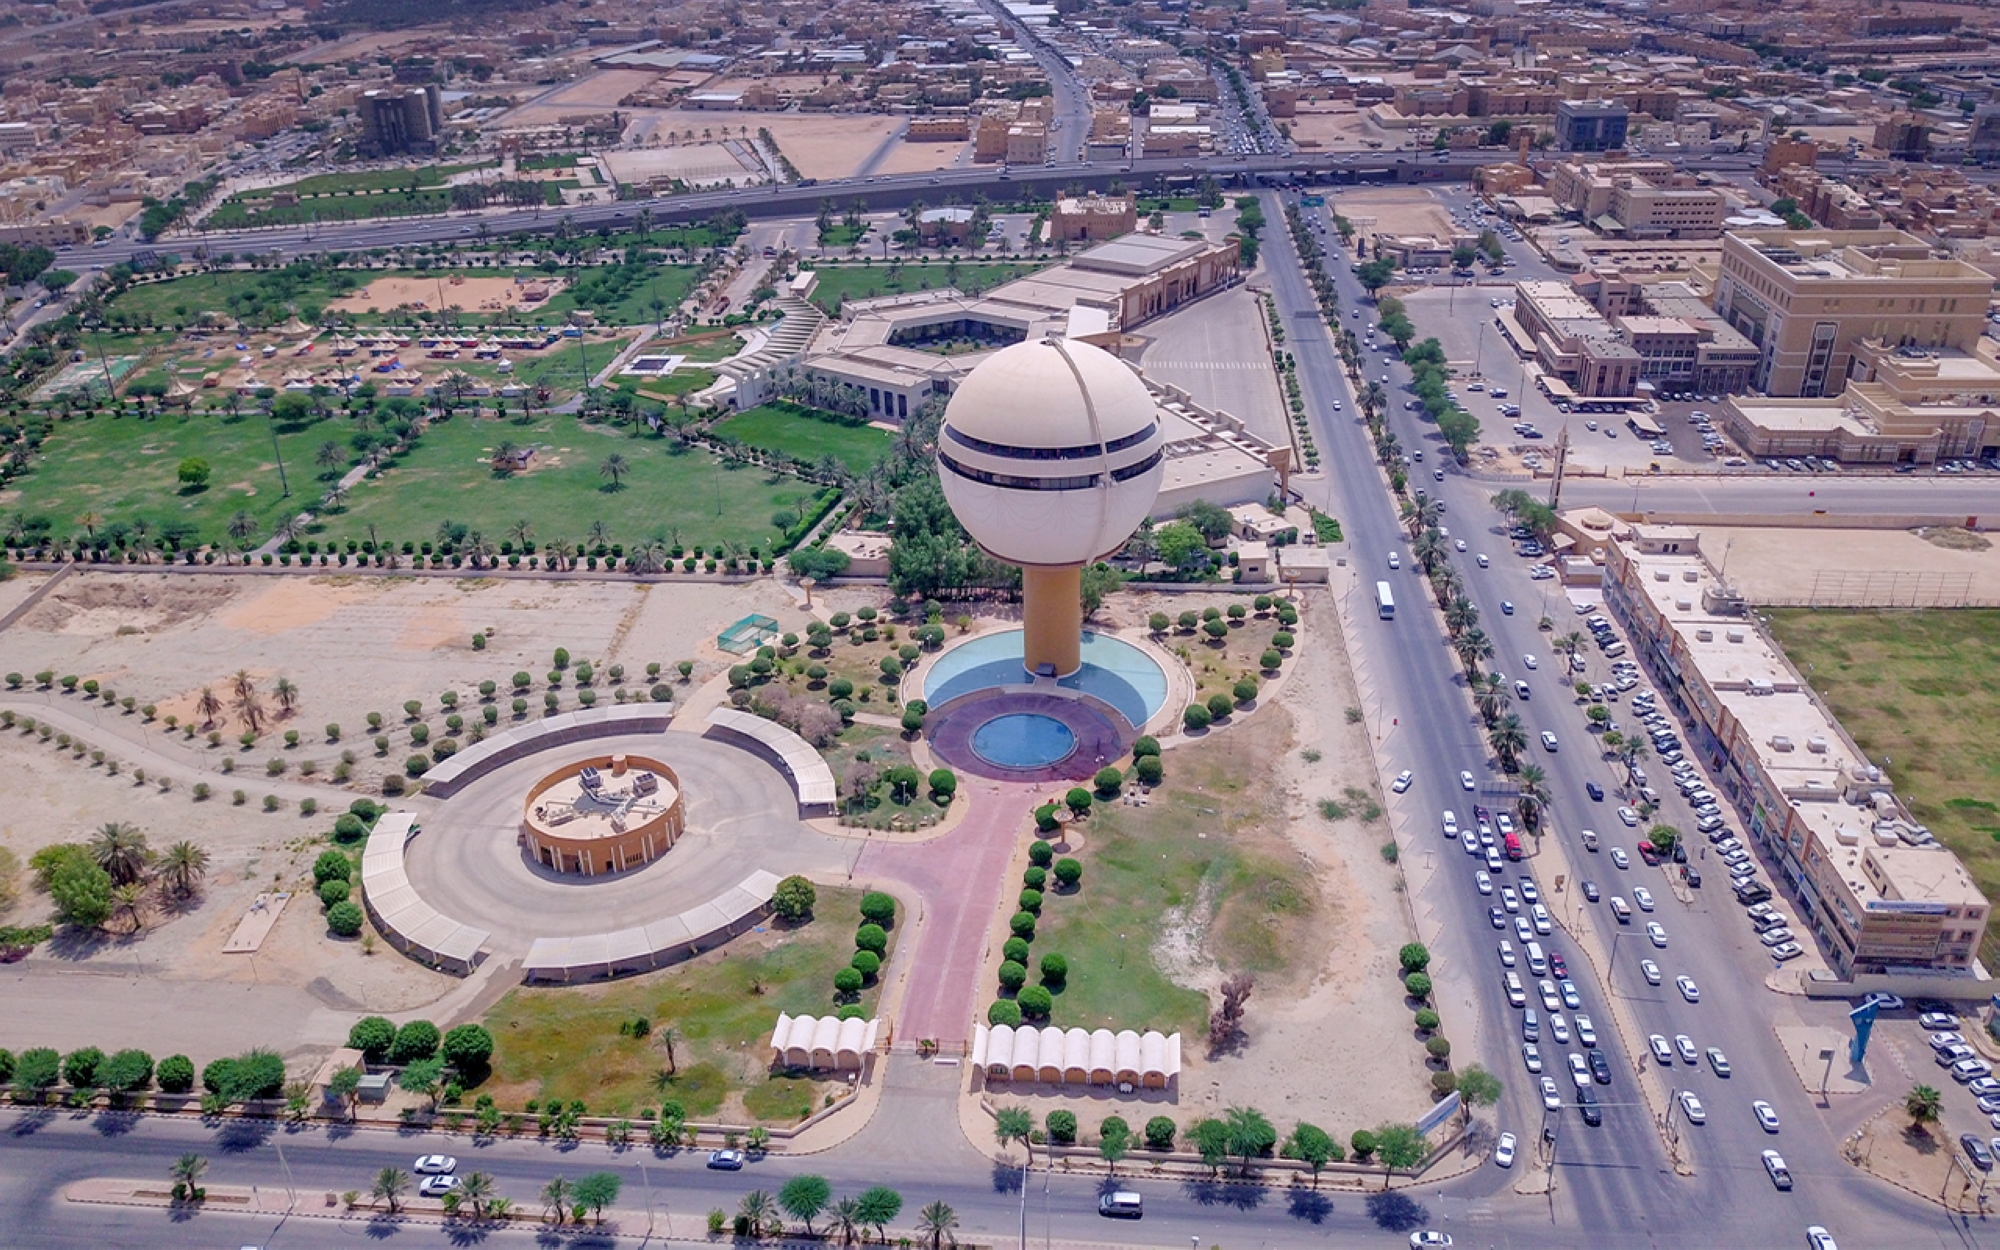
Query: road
[
  {"x": 1915, "y": 494},
  {"x": 1616, "y": 1176},
  {"x": 1072, "y": 97}
]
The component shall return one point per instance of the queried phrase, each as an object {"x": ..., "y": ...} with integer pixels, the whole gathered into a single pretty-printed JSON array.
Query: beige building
[
  {"x": 1881, "y": 895},
  {"x": 1903, "y": 406},
  {"x": 1809, "y": 298},
  {"x": 54, "y": 232},
  {"x": 1093, "y": 218},
  {"x": 1643, "y": 210}
]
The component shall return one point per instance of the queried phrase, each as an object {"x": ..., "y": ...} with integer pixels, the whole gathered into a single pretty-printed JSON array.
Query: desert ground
[
  {"x": 1781, "y": 566},
  {"x": 1330, "y": 124},
  {"x": 820, "y": 145},
  {"x": 466, "y": 294},
  {"x": 694, "y": 163},
  {"x": 597, "y": 93},
  {"x": 911, "y": 158},
  {"x": 1394, "y": 210}
]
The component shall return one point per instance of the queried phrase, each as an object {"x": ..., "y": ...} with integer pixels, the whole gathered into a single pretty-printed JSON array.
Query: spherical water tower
[{"x": 1051, "y": 455}]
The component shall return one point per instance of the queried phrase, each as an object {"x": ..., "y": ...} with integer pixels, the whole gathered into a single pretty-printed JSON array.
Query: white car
[
  {"x": 438, "y": 1186},
  {"x": 1509, "y": 899},
  {"x": 1558, "y": 1028},
  {"x": 1630, "y": 817},
  {"x": 1524, "y": 930},
  {"x": 1531, "y": 1055},
  {"x": 1551, "y": 1096},
  {"x": 1663, "y": 1050},
  {"x": 1465, "y": 779},
  {"x": 1619, "y": 859},
  {"x": 1767, "y": 1119},
  {"x": 1571, "y": 999},
  {"x": 1643, "y": 897},
  {"x": 1692, "y": 1108},
  {"x": 1579, "y": 1071},
  {"x": 435, "y": 1165},
  {"x": 1395, "y": 560},
  {"x": 1503, "y": 1151},
  {"x": 1470, "y": 841},
  {"x": 1458, "y": 544},
  {"x": 1451, "y": 824},
  {"x": 1403, "y": 780},
  {"x": 1685, "y": 1045},
  {"x": 1650, "y": 970},
  {"x": 1586, "y": 1032},
  {"x": 1529, "y": 892},
  {"x": 1550, "y": 999},
  {"x": 1483, "y": 563},
  {"x": 1656, "y": 935},
  {"x": 1483, "y": 881},
  {"x": 1548, "y": 740},
  {"x": 1689, "y": 990},
  {"x": 1506, "y": 953}
]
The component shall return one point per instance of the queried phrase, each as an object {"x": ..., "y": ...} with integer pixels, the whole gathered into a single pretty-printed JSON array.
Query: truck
[{"x": 1512, "y": 844}]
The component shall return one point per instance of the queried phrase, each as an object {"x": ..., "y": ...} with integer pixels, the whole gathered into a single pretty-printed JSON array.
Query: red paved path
[{"x": 958, "y": 879}]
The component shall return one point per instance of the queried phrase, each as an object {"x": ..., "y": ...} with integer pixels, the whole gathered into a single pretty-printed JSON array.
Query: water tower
[{"x": 1051, "y": 455}]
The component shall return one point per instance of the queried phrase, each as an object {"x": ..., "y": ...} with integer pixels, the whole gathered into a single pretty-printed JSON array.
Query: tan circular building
[{"x": 605, "y": 814}]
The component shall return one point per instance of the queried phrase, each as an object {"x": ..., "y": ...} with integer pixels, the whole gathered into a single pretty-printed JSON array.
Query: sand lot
[
  {"x": 820, "y": 145},
  {"x": 1876, "y": 567},
  {"x": 599, "y": 93},
  {"x": 460, "y": 292},
  {"x": 915, "y": 158},
  {"x": 1394, "y": 210},
  {"x": 1330, "y": 124},
  {"x": 694, "y": 163}
]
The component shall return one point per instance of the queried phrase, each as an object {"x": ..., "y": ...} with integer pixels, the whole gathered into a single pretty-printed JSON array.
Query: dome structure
[{"x": 1051, "y": 453}]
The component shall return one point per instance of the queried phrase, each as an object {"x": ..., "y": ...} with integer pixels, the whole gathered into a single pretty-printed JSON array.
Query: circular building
[
  {"x": 1051, "y": 455},
  {"x": 605, "y": 814}
]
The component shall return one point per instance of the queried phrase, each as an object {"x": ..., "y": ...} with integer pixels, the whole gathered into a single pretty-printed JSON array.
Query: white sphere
[{"x": 1051, "y": 453}]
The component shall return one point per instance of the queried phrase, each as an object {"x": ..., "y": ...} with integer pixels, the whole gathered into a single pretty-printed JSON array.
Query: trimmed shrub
[
  {"x": 1045, "y": 818},
  {"x": 468, "y": 1048},
  {"x": 1062, "y": 1127},
  {"x": 331, "y": 892},
  {"x": 1036, "y": 1002},
  {"x": 1196, "y": 717},
  {"x": 1012, "y": 976},
  {"x": 1270, "y": 661},
  {"x": 1363, "y": 1144},
  {"x": 1055, "y": 969},
  {"x": 1035, "y": 878},
  {"x": 344, "y": 919},
  {"x": 871, "y": 937},
  {"x": 1149, "y": 770},
  {"x": 372, "y": 1036},
  {"x": 419, "y": 1039},
  {"x": 1015, "y": 949},
  {"x": 1108, "y": 781},
  {"x": 1415, "y": 957},
  {"x": 1068, "y": 872},
  {"x": 1004, "y": 1012},
  {"x": 1160, "y": 1133},
  {"x": 348, "y": 828},
  {"x": 1031, "y": 900},
  {"x": 175, "y": 1074},
  {"x": 1244, "y": 690},
  {"x": 1077, "y": 800},
  {"x": 1282, "y": 640},
  {"x": 1041, "y": 854},
  {"x": 867, "y": 963},
  {"x": 847, "y": 980},
  {"x": 1219, "y": 706},
  {"x": 1439, "y": 1047},
  {"x": 1145, "y": 746},
  {"x": 1427, "y": 1020},
  {"x": 944, "y": 784},
  {"x": 1023, "y": 925},
  {"x": 1417, "y": 985},
  {"x": 332, "y": 866},
  {"x": 878, "y": 908},
  {"x": 793, "y": 899}
]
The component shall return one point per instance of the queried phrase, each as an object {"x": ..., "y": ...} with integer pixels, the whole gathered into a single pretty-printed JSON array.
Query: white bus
[{"x": 1385, "y": 603}]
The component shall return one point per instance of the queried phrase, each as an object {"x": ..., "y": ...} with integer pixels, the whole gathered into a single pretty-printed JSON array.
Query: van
[
  {"x": 1620, "y": 910},
  {"x": 1121, "y": 1205},
  {"x": 1538, "y": 963},
  {"x": 1615, "y": 649}
]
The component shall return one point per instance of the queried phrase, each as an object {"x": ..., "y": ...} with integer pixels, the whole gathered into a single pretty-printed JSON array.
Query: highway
[{"x": 1616, "y": 1176}]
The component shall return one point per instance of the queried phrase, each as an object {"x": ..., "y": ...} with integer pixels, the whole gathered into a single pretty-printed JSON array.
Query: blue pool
[
  {"x": 1114, "y": 670},
  {"x": 1023, "y": 740}
]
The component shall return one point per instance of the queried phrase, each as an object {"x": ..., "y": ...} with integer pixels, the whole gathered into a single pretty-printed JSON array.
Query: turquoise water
[
  {"x": 1023, "y": 740},
  {"x": 1113, "y": 670}
]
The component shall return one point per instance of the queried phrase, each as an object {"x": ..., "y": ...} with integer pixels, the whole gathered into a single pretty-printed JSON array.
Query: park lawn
[
  {"x": 685, "y": 495},
  {"x": 807, "y": 437},
  {"x": 707, "y": 348},
  {"x": 123, "y": 469},
  {"x": 363, "y": 181},
  {"x": 631, "y": 306},
  {"x": 560, "y": 366},
  {"x": 1923, "y": 690},
  {"x": 179, "y": 299},
  {"x": 842, "y": 235},
  {"x": 1204, "y": 867},
  {"x": 564, "y": 1042},
  {"x": 839, "y": 283}
]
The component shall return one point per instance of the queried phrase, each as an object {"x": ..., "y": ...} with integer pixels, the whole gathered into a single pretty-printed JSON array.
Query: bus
[{"x": 1385, "y": 603}]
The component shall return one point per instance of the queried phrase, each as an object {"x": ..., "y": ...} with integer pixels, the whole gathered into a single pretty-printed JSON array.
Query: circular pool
[
  {"x": 1114, "y": 671},
  {"x": 1023, "y": 740}
]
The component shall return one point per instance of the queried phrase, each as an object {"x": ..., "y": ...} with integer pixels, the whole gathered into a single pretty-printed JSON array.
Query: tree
[
  {"x": 1414, "y": 957},
  {"x": 193, "y": 472},
  {"x": 793, "y": 899},
  {"x": 425, "y": 1077},
  {"x": 1663, "y": 838},
  {"x": 1398, "y": 1146},
  {"x": 372, "y": 1036},
  {"x": 81, "y": 892},
  {"x": 418, "y": 1039},
  {"x": 614, "y": 468},
  {"x": 1211, "y": 1140},
  {"x": 597, "y": 1191},
  {"x": 804, "y": 1197},
  {"x": 1181, "y": 546},
  {"x": 1012, "y": 1124},
  {"x": 1313, "y": 1146},
  {"x": 556, "y": 1198},
  {"x": 346, "y": 1086},
  {"x": 879, "y": 1205},
  {"x": 390, "y": 1186},
  {"x": 186, "y": 1173},
  {"x": 1924, "y": 1105},
  {"x": 1375, "y": 274},
  {"x": 476, "y": 1190},
  {"x": 1114, "y": 1141},
  {"x": 120, "y": 850},
  {"x": 937, "y": 1221},
  {"x": 1250, "y": 1134},
  {"x": 468, "y": 1048},
  {"x": 1478, "y": 1088},
  {"x": 847, "y": 1220}
]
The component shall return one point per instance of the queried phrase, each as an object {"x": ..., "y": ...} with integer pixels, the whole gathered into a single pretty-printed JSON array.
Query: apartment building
[
  {"x": 1643, "y": 210},
  {"x": 1807, "y": 298},
  {"x": 1590, "y": 125},
  {"x": 1882, "y": 896},
  {"x": 1572, "y": 341}
]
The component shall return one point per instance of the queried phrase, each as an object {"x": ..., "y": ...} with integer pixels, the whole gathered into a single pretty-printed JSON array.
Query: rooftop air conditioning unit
[
  {"x": 1781, "y": 743},
  {"x": 1684, "y": 605},
  {"x": 1701, "y": 635},
  {"x": 1816, "y": 744},
  {"x": 1661, "y": 575},
  {"x": 1690, "y": 575}
]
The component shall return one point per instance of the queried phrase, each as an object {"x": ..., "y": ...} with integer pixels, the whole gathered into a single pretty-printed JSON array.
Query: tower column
[{"x": 1052, "y": 616}]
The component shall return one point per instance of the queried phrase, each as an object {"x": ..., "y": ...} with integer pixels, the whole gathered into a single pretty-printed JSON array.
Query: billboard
[{"x": 1439, "y": 1114}]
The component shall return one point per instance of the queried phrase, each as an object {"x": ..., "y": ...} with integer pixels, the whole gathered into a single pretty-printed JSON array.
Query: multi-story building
[
  {"x": 1902, "y": 406},
  {"x": 1573, "y": 342},
  {"x": 1590, "y": 125},
  {"x": 1603, "y": 335},
  {"x": 1093, "y": 218},
  {"x": 404, "y": 119},
  {"x": 1806, "y": 298},
  {"x": 1644, "y": 210},
  {"x": 1882, "y": 896}
]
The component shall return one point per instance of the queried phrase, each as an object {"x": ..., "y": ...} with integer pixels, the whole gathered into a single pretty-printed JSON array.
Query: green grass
[
  {"x": 839, "y": 234},
  {"x": 686, "y": 495},
  {"x": 245, "y": 293},
  {"x": 342, "y": 197},
  {"x": 1242, "y": 890},
  {"x": 564, "y": 1043},
  {"x": 623, "y": 297},
  {"x": 1923, "y": 689},
  {"x": 122, "y": 469},
  {"x": 838, "y": 283},
  {"x": 807, "y": 435}
]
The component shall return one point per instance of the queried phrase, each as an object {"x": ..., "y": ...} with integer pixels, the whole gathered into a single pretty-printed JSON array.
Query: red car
[{"x": 1649, "y": 853}]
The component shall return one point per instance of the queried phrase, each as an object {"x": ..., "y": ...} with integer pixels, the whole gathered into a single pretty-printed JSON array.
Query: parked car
[
  {"x": 1503, "y": 1151},
  {"x": 726, "y": 1160}
]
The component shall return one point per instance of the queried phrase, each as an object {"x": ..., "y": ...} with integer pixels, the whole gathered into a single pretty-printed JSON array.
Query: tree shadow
[
  {"x": 240, "y": 1136},
  {"x": 1216, "y": 1193},
  {"x": 381, "y": 1226},
  {"x": 1007, "y": 1178},
  {"x": 34, "y": 1121},
  {"x": 1396, "y": 1213},
  {"x": 1309, "y": 1205},
  {"x": 115, "y": 1123}
]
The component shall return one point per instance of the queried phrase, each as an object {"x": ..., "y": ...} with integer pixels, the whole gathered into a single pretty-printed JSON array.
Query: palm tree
[
  {"x": 1422, "y": 514},
  {"x": 615, "y": 467},
  {"x": 1924, "y": 1105},
  {"x": 938, "y": 1220},
  {"x": 846, "y": 1217},
  {"x": 330, "y": 457},
  {"x": 208, "y": 705},
  {"x": 480, "y": 549},
  {"x": 1430, "y": 548},
  {"x": 390, "y": 1185},
  {"x": 520, "y": 533},
  {"x": 1460, "y": 615},
  {"x": 182, "y": 867},
  {"x": 187, "y": 1170},
  {"x": 1533, "y": 797},
  {"x": 666, "y": 1035},
  {"x": 1472, "y": 646},
  {"x": 1491, "y": 697},
  {"x": 247, "y": 704},
  {"x": 242, "y": 527},
  {"x": 126, "y": 901},
  {"x": 555, "y": 1197},
  {"x": 288, "y": 696},
  {"x": 600, "y": 534},
  {"x": 760, "y": 1209},
  {"x": 476, "y": 1190},
  {"x": 1012, "y": 1124},
  {"x": 120, "y": 849},
  {"x": 1508, "y": 740}
]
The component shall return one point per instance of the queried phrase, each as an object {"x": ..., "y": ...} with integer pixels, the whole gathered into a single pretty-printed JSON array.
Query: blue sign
[
  {"x": 1864, "y": 1024},
  {"x": 1439, "y": 1114}
]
